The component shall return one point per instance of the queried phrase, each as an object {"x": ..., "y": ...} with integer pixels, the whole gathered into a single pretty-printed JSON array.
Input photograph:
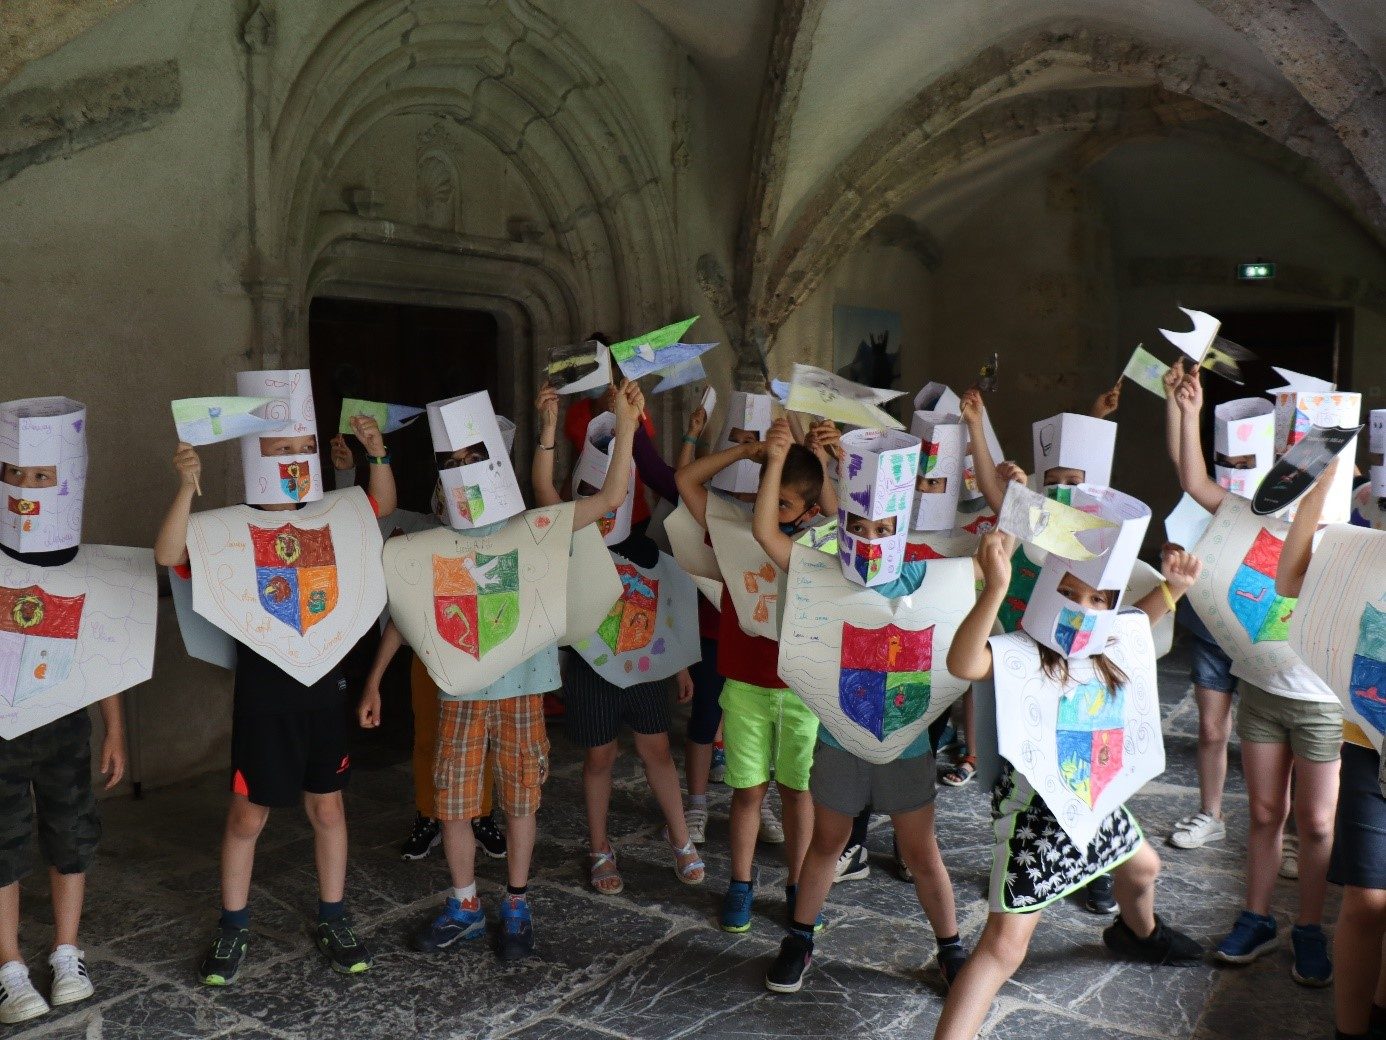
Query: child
[
  {"x": 898, "y": 781},
  {"x": 767, "y": 729},
  {"x": 1289, "y": 719},
  {"x": 1025, "y": 879},
  {"x": 45, "y": 757},
  {"x": 288, "y": 738},
  {"x": 596, "y": 703},
  {"x": 476, "y": 563}
]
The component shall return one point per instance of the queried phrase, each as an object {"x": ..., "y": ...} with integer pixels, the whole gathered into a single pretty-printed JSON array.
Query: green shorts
[{"x": 767, "y": 732}]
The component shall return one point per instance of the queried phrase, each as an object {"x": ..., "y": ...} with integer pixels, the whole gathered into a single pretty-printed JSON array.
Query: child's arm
[
  {"x": 1299, "y": 543},
  {"x": 541, "y": 472},
  {"x": 825, "y": 440},
  {"x": 1180, "y": 569},
  {"x": 382, "y": 479},
  {"x": 1193, "y": 471},
  {"x": 171, "y": 546},
  {"x": 629, "y": 405},
  {"x": 368, "y": 711},
  {"x": 765, "y": 523},
  {"x": 697, "y": 422},
  {"x": 969, "y": 657},
  {"x": 113, "y": 753},
  {"x": 1108, "y": 401},
  {"x": 692, "y": 479},
  {"x": 983, "y": 465},
  {"x": 343, "y": 464},
  {"x": 1173, "y": 418},
  {"x": 657, "y": 474}
]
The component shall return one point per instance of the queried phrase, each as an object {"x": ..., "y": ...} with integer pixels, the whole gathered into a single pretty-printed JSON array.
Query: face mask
[
  {"x": 1076, "y": 626},
  {"x": 796, "y": 525}
]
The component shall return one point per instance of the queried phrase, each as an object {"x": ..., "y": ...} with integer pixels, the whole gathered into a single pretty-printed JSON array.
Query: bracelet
[
  {"x": 1169, "y": 596},
  {"x": 549, "y": 447},
  {"x": 695, "y": 441},
  {"x": 379, "y": 460}
]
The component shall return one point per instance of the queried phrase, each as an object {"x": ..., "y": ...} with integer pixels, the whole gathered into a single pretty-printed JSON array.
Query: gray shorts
[
  {"x": 844, "y": 783},
  {"x": 46, "y": 792}
]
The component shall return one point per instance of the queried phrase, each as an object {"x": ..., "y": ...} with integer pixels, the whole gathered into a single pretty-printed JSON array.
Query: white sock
[{"x": 463, "y": 894}]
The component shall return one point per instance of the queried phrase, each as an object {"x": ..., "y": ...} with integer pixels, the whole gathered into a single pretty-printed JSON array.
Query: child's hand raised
[
  {"x": 367, "y": 431},
  {"x": 187, "y": 463},
  {"x": 994, "y": 557},
  {"x": 1180, "y": 568},
  {"x": 1190, "y": 395},
  {"x": 1173, "y": 378},
  {"x": 778, "y": 440},
  {"x": 825, "y": 440},
  {"x": 1108, "y": 401},
  {"x": 1012, "y": 473},
  {"x": 629, "y": 403},
  {"x": 697, "y": 422},
  {"x": 546, "y": 404},
  {"x": 972, "y": 407},
  {"x": 341, "y": 454}
]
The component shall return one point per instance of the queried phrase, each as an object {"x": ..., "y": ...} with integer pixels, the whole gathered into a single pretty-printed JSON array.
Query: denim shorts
[{"x": 1210, "y": 668}]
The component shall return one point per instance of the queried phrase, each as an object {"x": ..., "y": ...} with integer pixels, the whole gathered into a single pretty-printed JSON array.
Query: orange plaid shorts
[{"x": 514, "y": 730}]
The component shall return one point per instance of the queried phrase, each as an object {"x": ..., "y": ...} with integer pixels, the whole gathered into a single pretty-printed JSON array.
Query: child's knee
[
  {"x": 246, "y": 820},
  {"x": 601, "y": 759},
  {"x": 1143, "y": 869},
  {"x": 653, "y": 749},
  {"x": 325, "y": 811}
]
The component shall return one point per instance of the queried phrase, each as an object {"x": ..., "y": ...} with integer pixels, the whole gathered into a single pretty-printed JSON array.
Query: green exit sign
[{"x": 1260, "y": 271}]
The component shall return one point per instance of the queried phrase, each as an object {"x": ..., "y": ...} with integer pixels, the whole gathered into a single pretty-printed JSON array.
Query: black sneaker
[
  {"x": 423, "y": 839},
  {"x": 950, "y": 961},
  {"x": 786, "y": 974},
  {"x": 489, "y": 836},
  {"x": 224, "y": 959},
  {"x": 1097, "y": 896},
  {"x": 516, "y": 940},
  {"x": 1163, "y": 946},
  {"x": 344, "y": 951}
]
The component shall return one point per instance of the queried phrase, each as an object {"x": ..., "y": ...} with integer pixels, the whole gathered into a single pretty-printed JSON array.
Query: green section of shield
[
  {"x": 906, "y": 700},
  {"x": 497, "y": 617}
]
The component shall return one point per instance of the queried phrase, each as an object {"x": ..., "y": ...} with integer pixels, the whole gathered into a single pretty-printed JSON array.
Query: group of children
[{"x": 830, "y": 599}]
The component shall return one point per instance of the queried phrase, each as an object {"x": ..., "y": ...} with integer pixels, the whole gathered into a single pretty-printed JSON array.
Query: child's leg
[
  {"x": 798, "y": 830},
  {"x": 522, "y": 753},
  {"x": 918, "y": 844},
  {"x": 796, "y": 737},
  {"x": 748, "y": 730},
  {"x": 1214, "y": 731},
  {"x": 459, "y": 763},
  {"x": 1000, "y": 952},
  {"x": 1134, "y": 889},
  {"x": 423, "y": 696},
  {"x": 1315, "y": 799},
  {"x": 745, "y": 827},
  {"x": 521, "y": 831},
  {"x": 829, "y": 832},
  {"x": 1357, "y": 959},
  {"x": 459, "y": 849},
  {"x": 68, "y": 892},
  {"x": 663, "y": 778},
  {"x": 328, "y": 817},
  {"x": 244, "y": 822},
  {"x": 1267, "y": 769},
  {"x": 704, "y": 721},
  {"x": 9, "y": 924},
  {"x": 596, "y": 791}
]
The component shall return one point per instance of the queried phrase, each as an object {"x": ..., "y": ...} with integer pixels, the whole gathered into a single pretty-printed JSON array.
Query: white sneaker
[
  {"x": 71, "y": 982},
  {"x": 695, "y": 820},
  {"x": 1289, "y": 857},
  {"x": 19, "y": 1001},
  {"x": 771, "y": 830},
  {"x": 852, "y": 865},
  {"x": 1193, "y": 832}
]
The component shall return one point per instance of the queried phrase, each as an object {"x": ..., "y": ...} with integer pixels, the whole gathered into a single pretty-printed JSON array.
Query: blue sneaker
[
  {"x": 454, "y": 924},
  {"x": 1252, "y": 936},
  {"x": 517, "y": 929},
  {"x": 736, "y": 906},
  {"x": 717, "y": 772},
  {"x": 791, "y": 894},
  {"x": 1312, "y": 967}
]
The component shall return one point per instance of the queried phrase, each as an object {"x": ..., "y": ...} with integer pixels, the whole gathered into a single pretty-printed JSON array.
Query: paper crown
[
  {"x": 875, "y": 481},
  {"x": 591, "y": 469},
  {"x": 941, "y": 438},
  {"x": 1071, "y": 441},
  {"x": 749, "y": 412},
  {"x": 1243, "y": 429},
  {"x": 42, "y": 432},
  {"x": 482, "y": 492},
  {"x": 278, "y": 478},
  {"x": 1376, "y": 444},
  {"x": 1297, "y": 410}
]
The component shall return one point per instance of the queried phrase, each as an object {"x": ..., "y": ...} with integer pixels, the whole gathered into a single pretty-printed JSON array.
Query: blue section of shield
[
  {"x": 861, "y": 694},
  {"x": 278, "y": 588}
]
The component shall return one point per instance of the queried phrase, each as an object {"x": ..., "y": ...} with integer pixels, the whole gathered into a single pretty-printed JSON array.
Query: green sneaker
[
  {"x": 344, "y": 951},
  {"x": 224, "y": 959}
]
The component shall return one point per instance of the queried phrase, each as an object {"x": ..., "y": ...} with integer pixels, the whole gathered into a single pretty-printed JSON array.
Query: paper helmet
[
  {"x": 1243, "y": 433},
  {"x": 39, "y": 432},
  {"x": 875, "y": 481},
  {"x": 1057, "y": 622},
  {"x": 941, "y": 438},
  {"x": 590, "y": 471},
  {"x": 507, "y": 430},
  {"x": 483, "y": 491},
  {"x": 751, "y": 413},
  {"x": 1376, "y": 445},
  {"x": 1295, "y": 412},
  {"x": 1071, "y": 441},
  {"x": 274, "y": 479},
  {"x": 935, "y": 397}
]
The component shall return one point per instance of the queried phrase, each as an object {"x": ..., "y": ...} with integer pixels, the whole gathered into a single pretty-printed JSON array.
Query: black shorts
[
  {"x": 1359, "y": 835},
  {"x": 594, "y": 710},
  {"x": 276, "y": 758},
  {"x": 47, "y": 772}
]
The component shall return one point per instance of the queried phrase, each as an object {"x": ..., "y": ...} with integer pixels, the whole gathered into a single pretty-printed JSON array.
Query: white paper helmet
[
  {"x": 45, "y": 440},
  {"x": 1376, "y": 446},
  {"x": 1068, "y": 441},
  {"x": 748, "y": 419},
  {"x": 1064, "y": 625},
  {"x": 936, "y": 397},
  {"x": 1295, "y": 412},
  {"x": 482, "y": 488},
  {"x": 875, "y": 482},
  {"x": 1243, "y": 444},
  {"x": 273, "y": 477},
  {"x": 590, "y": 474},
  {"x": 941, "y": 439}
]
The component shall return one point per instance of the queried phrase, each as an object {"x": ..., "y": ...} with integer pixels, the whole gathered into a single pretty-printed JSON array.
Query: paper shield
[
  {"x": 651, "y": 631},
  {"x": 874, "y": 670},
  {"x": 593, "y": 585},
  {"x": 693, "y": 552},
  {"x": 755, "y": 583}
]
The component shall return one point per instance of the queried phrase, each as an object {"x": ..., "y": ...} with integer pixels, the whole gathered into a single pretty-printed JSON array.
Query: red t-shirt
[
  {"x": 748, "y": 659},
  {"x": 575, "y": 429}
]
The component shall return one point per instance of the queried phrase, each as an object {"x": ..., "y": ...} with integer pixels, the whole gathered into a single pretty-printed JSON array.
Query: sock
[
  {"x": 697, "y": 801},
  {"x": 803, "y": 931},
  {"x": 949, "y": 941},
  {"x": 517, "y": 891},
  {"x": 735, "y": 883},
  {"x": 331, "y": 911},
  {"x": 466, "y": 896},
  {"x": 235, "y": 918}
]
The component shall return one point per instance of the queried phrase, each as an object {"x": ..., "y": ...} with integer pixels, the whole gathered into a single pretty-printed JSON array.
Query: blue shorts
[{"x": 1210, "y": 668}]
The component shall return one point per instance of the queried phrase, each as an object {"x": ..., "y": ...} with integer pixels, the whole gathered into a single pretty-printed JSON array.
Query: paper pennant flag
[
  {"x": 1298, "y": 382},
  {"x": 210, "y": 420},
  {"x": 578, "y": 367},
  {"x": 1147, "y": 371},
  {"x": 821, "y": 393},
  {"x": 780, "y": 389},
  {"x": 987, "y": 379},
  {"x": 1223, "y": 358},
  {"x": 641, "y": 355},
  {"x": 389, "y": 417},
  {"x": 709, "y": 401},
  {"x": 1195, "y": 342},
  {"x": 1050, "y": 525},
  {"x": 690, "y": 371},
  {"x": 1295, "y": 472}
]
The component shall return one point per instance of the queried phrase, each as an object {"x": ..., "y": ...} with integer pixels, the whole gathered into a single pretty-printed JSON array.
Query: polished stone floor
[{"x": 649, "y": 963}]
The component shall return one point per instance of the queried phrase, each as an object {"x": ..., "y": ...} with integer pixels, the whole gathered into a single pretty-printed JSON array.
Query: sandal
[
  {"x": 961, "y": 773},
  {"x": 688, "y": 865},
  {"x": 605, "y": 874}
]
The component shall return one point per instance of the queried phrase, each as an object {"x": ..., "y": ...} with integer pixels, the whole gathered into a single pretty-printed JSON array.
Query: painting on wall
[{"x": 866, "y": 346}]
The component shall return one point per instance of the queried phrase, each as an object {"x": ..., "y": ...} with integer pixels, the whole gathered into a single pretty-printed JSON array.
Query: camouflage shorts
[{"x": 47, "y": 772}]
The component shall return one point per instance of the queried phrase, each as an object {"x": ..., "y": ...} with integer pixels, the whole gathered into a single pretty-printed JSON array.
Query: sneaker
[
  {"x": 950, "y": 961},
  {"x": 455, "y": 924},
  {"x": 695, "y": 819},
  {"x": 1193, "y": 832},
  {"x": 771, "y": 829},
  {"x": 489, "y": 836},
  {"x": 786, "y": 973},
  {"x": 736, "y": 907},
  {"x": 1312, "y": 966},
  {"x": 19, "y": 1001},
  {"x": 1251, "y": 937},
  {"x": 791, "y": 900},
  {"x": 717, "y": 772},
  {"x": 71, "y": 982},
  {"x": 224, "y": 959},
  {"x": 423, "y": 839},
  {"x": 1097, "y": 896},
  {"x": 1289, "y": 857},
  {"x": 517, "y": 929},
  {"x": 338, "y": 942},
  {"x": 1163, "y": 946},
  {"x": 853, "y": 865}
]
